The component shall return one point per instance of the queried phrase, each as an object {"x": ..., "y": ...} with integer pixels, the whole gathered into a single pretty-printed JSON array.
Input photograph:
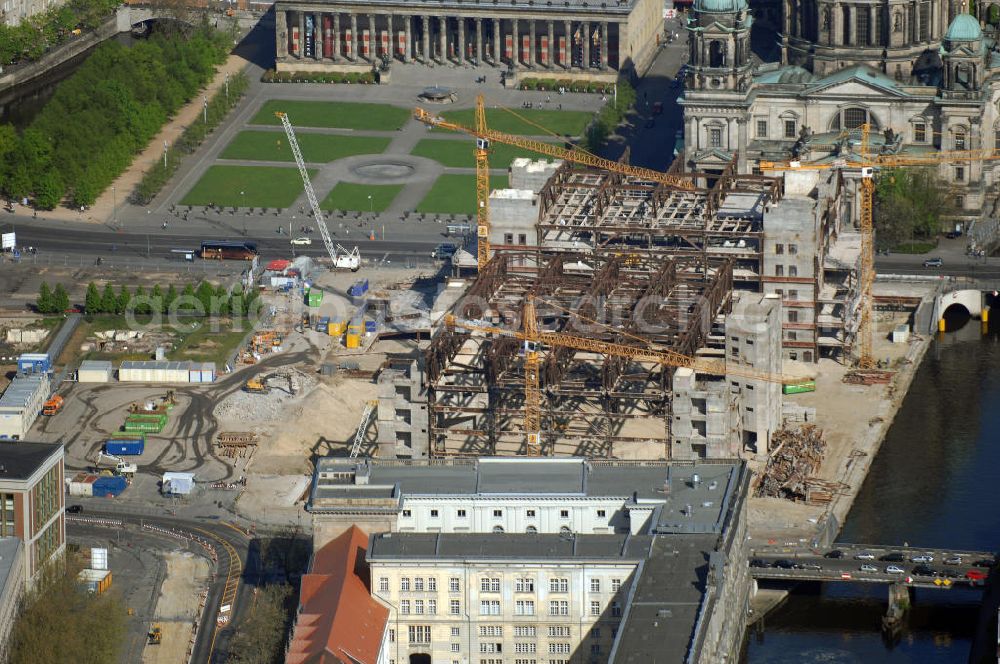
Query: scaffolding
[{"x": 591, "y": 404}]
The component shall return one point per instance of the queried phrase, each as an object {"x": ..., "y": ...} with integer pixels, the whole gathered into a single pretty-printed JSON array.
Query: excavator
[
  {"x": 261, "y": 384},
  {"x": 155, "y": 635},
  {"x": 122, "y": 467}
]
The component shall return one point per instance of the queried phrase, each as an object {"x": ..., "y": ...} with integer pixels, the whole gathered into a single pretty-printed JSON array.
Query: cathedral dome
[
  {"x": 965, "y": 28},
  {"x": 720, "y": 6}
]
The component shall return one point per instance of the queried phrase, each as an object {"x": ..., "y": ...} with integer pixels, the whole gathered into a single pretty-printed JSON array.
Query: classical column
[
  {"x": 552, "y": 36},
  {"x": 741, "y": 145},
  {"x": 604, "y": 45},
  {"x": 372, "y": 39},
  {"x": 515, "y": 56},
  {"x": 873, "y": 36},
  {"x": 408, "y": 36},
  {"x": 281, "y": 34},
  {"x": 586, "y": 45},
  {"x": 427, "y": 40},
  {"x": 497, "y": 59},
  {"x": 460, "y": 46},
  {"x": 567, "y": 55},
  {"x": 392, "y": 44},
  {"x": 836, "y": 25},
  {"x": 302, "y": 35},
  {"x": 354, "y": 38},
  {"x": 336, "y": 37},
  {"x": 531, "y": 42},
  {"x": 479, "y": 42},
  {"x": 317, "y": 36},
  {"x": 916, "y": 22},
  {"x": 443, "y": 23}
]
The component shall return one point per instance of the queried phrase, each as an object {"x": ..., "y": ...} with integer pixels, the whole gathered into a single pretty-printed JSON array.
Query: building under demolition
[{"x": 746, "y": 272}]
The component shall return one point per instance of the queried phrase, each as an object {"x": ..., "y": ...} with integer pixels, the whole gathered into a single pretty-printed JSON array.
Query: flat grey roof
[
  {"x": 661, "y": 617},
  {"x": 684, "y": 505},
  {"x": 21, "y": 391},
  {"x": 19, "y": 460},
  {"x": 490, "y": 546},
  {"x": 8, "y": 551},
  {"x": 96, "y": 365}
]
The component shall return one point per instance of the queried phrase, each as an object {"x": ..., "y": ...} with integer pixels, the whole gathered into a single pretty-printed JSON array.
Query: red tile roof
[{"x": 339, "y": 621}]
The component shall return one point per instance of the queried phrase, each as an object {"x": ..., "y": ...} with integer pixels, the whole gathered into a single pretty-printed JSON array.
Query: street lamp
[
  {"x": 371, "y": 206},
  {"x": 205, "y": 100},
  {"x": 243, "y": 197},
  {"x": 114, "y": 206}
]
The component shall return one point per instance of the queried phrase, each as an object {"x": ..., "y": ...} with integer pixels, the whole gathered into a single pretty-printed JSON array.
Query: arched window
[
  {"x": 853, "y": 118},
  {"x": 565, "y": 530},
  {"x": 716, "y": 54},
  {"x": 498, "y": 529},
  {"x": 960, "y": 138},
  {"x": 531, "y": 530}
]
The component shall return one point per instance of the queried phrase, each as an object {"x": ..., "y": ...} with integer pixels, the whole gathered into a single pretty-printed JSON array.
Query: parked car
[
  {"x": 810, "y": 566},
  {"x": 983, "y": 562},
  {"x": 894, "y": 557},
  {"x": 783, "y": 564},
  {"x": 757, "y": 562},
  {"x": 950, "y": 574},
  {"x": 925, "y": 558},
  {"x": 869, "y": 568},
  {"x": 836, "y": 553},
  {"x": 865, "y": 555},
  {"x": 954, "y": 560},
  {"x": 74, "y": 509},
  {"x": 444, "y": 250},
  {"x": 301, "y": 240},
  {"x": 976, "y": 575},
  {"x": 894, "y": 569},
  {"x": 924, "y": 570},
  {"x": 933, "y": 262}
]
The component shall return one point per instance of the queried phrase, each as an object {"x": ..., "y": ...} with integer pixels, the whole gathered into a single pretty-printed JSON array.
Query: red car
[{"x": 976, "y": 575}]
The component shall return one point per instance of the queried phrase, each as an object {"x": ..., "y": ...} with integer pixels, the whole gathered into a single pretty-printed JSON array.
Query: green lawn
[
  {"x": 564, "y": 123},
  {"x": 210, "y": 341},
  {"x": 348, "y": 196},
  {"x": 344, "y": 115},
  {"x": 915, "y": 247},
  {"x": 316, "y": 148},
  {"x": 460, "y": 154},
  {"x": 264, "y": 186},
  {"x": 456, "y": 194}
]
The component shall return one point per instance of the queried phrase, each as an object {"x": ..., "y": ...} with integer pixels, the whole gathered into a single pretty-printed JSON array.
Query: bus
[{"x": 229, "y": 249}]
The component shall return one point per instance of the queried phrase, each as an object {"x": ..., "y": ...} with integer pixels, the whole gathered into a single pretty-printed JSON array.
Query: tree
[
  {"x": 141, "y": 301},
  {"x": 170, "y": 298},
  {"x": 92, "y": 303},
  {"x": 908, "y": 205},
  {"x": 260, "y": 638},
  {"x": 59, "y": 621},
  {"x": 188, "y": 297},
  {"x": 205, "y": 295},
  {"x": 123, "y": 301},
  {"x": 109, "y": 302},
  {"x": 45, "y": 303},
  {"x": 61, "y": 298},
  {"x": 49, "y": 190},
  {"x": 222, "y": 298},
  {"x": 157, "y": 302}
]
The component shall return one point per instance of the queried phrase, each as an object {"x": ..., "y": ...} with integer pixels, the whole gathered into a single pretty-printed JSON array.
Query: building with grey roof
[
  {"x": 573, "y": 39},
  {"x": 11, "y": 587},
  {"x": 546, "y": 556},
  {"x": 21, "y": 404}
]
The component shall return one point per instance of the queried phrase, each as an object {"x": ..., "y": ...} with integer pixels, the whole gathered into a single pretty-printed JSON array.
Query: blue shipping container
[
  {"x": 358, "y": 288},
  {"x": 371, "y": 326},
  {"x": 124, "y": 447},
  {"x": 109, "y": 486}
]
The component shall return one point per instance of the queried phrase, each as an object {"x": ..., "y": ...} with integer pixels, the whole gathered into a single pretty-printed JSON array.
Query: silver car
[
  {"x": 869, "y": 568},
  {"x": 894, "y": 569},
  {"x": 865, "y": 555},
  {"x": 926, "y": 558}
]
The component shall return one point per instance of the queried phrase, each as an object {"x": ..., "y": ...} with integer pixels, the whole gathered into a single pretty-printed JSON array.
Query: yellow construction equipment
[
  {"x": 256, "y": 386},
  {"x": 867, "y": 164},
  {"x": 484, "y": 136},
  {"x": 534, "y": 339},
  {"x": 155, "y": 635}
]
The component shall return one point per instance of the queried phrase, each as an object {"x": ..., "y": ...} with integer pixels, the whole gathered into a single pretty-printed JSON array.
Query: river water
[{"x": 935, "y": 483}]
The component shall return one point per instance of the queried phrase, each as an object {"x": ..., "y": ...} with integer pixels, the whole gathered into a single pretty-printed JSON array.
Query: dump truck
[{"x": 53, "y": 405}]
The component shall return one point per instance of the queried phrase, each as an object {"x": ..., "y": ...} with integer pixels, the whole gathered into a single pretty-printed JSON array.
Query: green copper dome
[
  {"x": 720, "y": 6},
  {"x": 964, "y": 28}
]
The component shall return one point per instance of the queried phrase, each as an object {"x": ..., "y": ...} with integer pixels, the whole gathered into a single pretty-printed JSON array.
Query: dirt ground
[
  {"x": 176, "y": 609},
  {"x": 854, "y": 419}
]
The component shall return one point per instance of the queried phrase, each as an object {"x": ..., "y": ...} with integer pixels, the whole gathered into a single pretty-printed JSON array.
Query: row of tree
[
  {"x": 204, "y": 298},
  {"x": 609, "y": 117},
  {"x": 32, "y": 37},
  {"x": 101, "y": 116},
  {"x": 909, "y": 203}
]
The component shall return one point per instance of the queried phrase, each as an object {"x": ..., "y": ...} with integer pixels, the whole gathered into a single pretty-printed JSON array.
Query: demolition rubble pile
[{"x": 796, "y": 456}]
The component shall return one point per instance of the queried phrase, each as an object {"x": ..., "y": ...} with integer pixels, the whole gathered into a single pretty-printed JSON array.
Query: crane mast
[{"x": 310, "y": 194}]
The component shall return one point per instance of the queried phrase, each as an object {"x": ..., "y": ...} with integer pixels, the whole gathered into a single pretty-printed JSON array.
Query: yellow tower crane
[
  {"x": 534, "y": 339},
  {"x": 485, "y": 136},
  {"x": 867, "y": 165}
]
